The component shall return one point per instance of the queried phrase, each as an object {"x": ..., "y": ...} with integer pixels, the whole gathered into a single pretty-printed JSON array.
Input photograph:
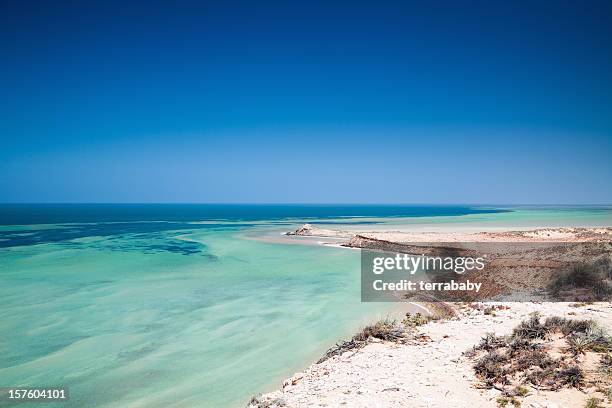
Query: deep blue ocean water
[
  {"x": 74, "y": 221},
  {"x": 11, "y": 214}
]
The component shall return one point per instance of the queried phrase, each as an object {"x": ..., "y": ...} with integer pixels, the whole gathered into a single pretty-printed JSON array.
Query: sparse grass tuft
[
  {"x": 578, "y": 344},
  {"x": 591, "y": 337},
  {"x": 417, "y": 319},
  {"x": 386, "y": 329},
  {"x": 516, "y": 345},
  {"x": 593, "y": 403},
  {"x": 572, "y": 376},
  {"x": 256, "y": 401},
  {"x": 504, "y": 401},
  {"x": 605, "y": 364},
  {"x": 600, "y": 339},
  {"x": 578, "y": 326},
  {"x": 521, "y": 391},
  {"x": 532, "y": 358},
  {"x": 491, "y": 342},
  {"x": 491, "y": 367},
  {"x": 568, "y": 326},
  {"x": 490, "y": 311},
  {"x": 530, "y": 329}
]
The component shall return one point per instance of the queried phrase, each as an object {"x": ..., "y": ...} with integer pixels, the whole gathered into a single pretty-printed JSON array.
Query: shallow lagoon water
[
  {"x": 125, "y": 325},
  {"x": 181, "y": 314}
]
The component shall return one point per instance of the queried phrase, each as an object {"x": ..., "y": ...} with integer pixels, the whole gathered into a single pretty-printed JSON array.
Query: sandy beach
[
  {"x": 432, "y": 366},
  {"x": 434, "y": 373}
]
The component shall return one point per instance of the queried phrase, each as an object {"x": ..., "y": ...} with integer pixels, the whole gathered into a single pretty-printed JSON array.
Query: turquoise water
[
  {"x": 511, "y": 218},
  {"x": 187, "y": 313},
  {"x": 126, "y": 329}
]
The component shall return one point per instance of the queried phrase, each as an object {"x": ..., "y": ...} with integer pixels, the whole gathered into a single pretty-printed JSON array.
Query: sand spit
[{"x": 398, "y": 237}]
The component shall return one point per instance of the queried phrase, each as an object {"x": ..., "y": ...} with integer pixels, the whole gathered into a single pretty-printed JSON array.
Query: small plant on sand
[
  {"x": 531, "y": 328},
  {"x": 414, "y": 320},
  {"x": 491, "y": 342},
  {"x": 528, "y": 358},
  {"x": 488, "y": 342},
  {"x": 601, "y": 342},
  {"x": 257, "y": 402},
  {"x": 504, "y": 402},
  {"x": 590, "y": 338},
  {"x": 593, "y": 403},
  {"x": 521, "y": 391},
  {"x": 386, "y": 329},
  {"x": 489, "y": 311},
  {"x": 569, "y": 326},
  {"x": 572, "y": 376},
  {"x": 605, "y": 364},
  {"x": 578, "y": 344},
  {"x": 491, "y": 368}
]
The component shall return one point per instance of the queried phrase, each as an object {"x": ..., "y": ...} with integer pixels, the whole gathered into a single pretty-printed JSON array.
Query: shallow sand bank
[{"x": 532, "y": 235}]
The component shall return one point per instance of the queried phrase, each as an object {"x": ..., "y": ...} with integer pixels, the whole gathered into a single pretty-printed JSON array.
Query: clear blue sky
[{"x": 387, "y": 102}]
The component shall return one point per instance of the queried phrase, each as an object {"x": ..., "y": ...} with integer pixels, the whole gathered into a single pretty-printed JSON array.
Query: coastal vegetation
[
  {"x": 387, "y": 330},
  {"x": 586, "y": 281},
  {"x": 544, "y": 354},
  {"x": 593, "y": 403}
]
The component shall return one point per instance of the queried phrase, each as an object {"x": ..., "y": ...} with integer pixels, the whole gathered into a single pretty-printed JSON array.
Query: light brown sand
[{"x": 538, "y": 234}]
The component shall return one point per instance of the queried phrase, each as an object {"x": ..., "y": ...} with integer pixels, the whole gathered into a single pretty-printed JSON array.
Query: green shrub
[{"x": 594, "y": 277}]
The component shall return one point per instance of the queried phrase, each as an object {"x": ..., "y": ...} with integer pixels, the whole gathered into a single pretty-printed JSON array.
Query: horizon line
[{"x": 302, "y": 203}]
